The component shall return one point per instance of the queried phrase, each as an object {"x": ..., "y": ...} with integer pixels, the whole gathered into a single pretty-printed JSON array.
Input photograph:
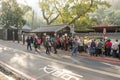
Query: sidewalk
[{"x": 100, "y": 58}]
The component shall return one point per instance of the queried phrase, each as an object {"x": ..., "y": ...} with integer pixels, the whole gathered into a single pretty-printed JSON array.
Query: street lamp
[
  {"x": 13, "y": 36},
  {"x": 23, "y": 38},
  {"x": 72, "y": 29},
  {"x": 18, "y": 36}
]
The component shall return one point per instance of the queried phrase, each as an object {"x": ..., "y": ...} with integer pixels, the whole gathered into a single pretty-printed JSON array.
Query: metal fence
[{"x": 97, "y": 34}]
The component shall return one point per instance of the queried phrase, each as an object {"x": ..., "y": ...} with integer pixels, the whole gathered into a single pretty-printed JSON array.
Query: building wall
[
  {"x": 1, "y": 33},
  {"x": 97, "y": 34},
  {"x": 7, "y": 34},
  {"x": 10, "y": 34}
]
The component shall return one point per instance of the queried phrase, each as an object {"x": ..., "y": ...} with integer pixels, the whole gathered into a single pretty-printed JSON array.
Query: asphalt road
[{"x": 40, "y": 66}]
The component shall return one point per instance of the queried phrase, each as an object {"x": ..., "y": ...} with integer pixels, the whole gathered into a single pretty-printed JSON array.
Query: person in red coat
[{"x": 108, "y": 47}]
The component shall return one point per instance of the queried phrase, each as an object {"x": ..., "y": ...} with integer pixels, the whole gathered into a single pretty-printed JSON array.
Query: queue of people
[
  {"x": 102, "y": 47},
  {"x": 94, "y": 47}
]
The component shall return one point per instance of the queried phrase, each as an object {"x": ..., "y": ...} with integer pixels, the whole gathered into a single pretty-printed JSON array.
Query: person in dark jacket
[
  {"x": 47, "y": 46},
  {"x": 92, "y": 48},
  {"x": 28, "y": 40},
  {"x": 31, "y": 38},
  {"x": 35, "y": 44},
  {"x": 99, "y": 48},
  {"x": 119, "y": 51},
  {"x": 55, "y": 45}
]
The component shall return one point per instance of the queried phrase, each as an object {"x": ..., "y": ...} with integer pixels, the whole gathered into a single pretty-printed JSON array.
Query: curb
[
  {"x": 27, "y": 77},
  {"x": 102, "y": 59},
  {"x": 106, "y": 59}
]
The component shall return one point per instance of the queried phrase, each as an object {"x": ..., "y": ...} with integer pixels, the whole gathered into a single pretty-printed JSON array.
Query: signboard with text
[{"x": 104, "y": 31}]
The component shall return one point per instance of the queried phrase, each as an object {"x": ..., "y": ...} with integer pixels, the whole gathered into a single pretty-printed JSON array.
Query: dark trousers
[
  {"x": 62, "y": 46},
  {"x": 119, "y": 53},
  {"x": 92, "y": 51},
  {"x": 55, "y": 49},
  {"x": 85, "y": 48},
  {"x": 114, "y": 54},
  {"x": 47, "y": 50},
  {"x": 80, "y": 49},
  {"x": 108, "y": 52},
  {"x": 66, "y": 47},
  {"x": 29, "y": 46},
  {"x": 99, "y": 52}
]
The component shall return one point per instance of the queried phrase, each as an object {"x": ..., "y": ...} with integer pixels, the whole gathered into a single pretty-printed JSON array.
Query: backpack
[
  {"x": 39, "y": 41},
  {"x": 109, "y": 47},
  {"x": 99, "y": 45}
]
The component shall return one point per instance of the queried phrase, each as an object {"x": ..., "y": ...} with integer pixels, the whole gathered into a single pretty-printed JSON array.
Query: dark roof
[
  {"x": 26, "y": 27},
  {"x": 50, "y": 28},
  {"x": 12, "y": 27}
]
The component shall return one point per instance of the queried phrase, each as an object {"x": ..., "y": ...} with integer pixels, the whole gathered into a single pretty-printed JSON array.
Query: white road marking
[
  {"x": 61, "y": 73},
  {"x": 115, "y": 66}
]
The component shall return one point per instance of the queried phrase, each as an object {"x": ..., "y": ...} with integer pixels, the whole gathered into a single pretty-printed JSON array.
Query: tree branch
[
  {"x": 53, "y": 19},
  {"x": 59, "y": 12},
  {"x": 77, "y": 17},
  {"x": 43, "y": 13}
]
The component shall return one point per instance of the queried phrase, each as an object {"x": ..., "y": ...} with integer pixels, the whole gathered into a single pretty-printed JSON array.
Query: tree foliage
[
  {"x": 69, "y": 11},
  {"x": 48, "y": 11},
  {"x": 114, "y": 17},
  {"x": 109, "y": 16},
  {"x": 12, "y": 13}
]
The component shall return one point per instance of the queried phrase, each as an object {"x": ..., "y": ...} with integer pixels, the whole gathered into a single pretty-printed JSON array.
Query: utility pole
[{"x": 32, "y": 19}]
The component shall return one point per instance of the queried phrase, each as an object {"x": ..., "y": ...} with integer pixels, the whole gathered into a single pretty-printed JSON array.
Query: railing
[{"x": 97, "y": 34}]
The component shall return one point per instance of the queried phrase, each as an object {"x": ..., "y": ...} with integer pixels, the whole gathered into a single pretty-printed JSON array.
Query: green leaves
[
  {"x": 114, "y": 17},
  {"x": 12, "y": 13},
  {"x": 49, "y": 11},
  {"x": 71, "y": 11}
]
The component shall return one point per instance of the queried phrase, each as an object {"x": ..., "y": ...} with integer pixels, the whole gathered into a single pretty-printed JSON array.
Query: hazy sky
[{"x": 32, "y": 3}]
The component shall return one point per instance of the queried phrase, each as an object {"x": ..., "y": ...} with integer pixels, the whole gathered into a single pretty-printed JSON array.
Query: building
[
  {"x": 26, "y": 28},
  {"x": 109, "y": 28},
  {"x": 102, "y": 30},
  {"x": 52, "y": 29}
]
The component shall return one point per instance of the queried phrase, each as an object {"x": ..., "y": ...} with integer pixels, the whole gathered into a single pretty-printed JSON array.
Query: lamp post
[
  {"x": 13, "y": 36},
  {"x": 18, "y": 36},
  {"x": 23, "y": 38},
  {"x": 104, "y": 32},
  {"x": 72, "y": 29}
]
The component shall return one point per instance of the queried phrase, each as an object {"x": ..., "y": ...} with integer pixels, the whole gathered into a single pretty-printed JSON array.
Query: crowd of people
[{"x": 75, "y": 45}]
